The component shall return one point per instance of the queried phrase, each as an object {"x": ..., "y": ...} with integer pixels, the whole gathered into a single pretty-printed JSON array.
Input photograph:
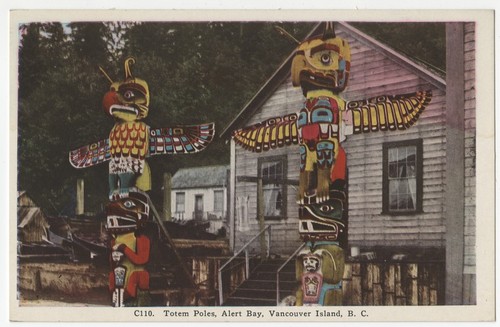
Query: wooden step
[
  {"x": 271, "y": 275},
  {"x": 161, "y": 280},
  {"x": 267, "y": 267},
  {"x": 255, "y": 293},
  {"x": 269, "y": 285},
  {"x": 260, "y": 288}
]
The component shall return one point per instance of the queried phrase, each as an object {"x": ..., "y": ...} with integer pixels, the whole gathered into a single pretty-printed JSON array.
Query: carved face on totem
[
  {"x": 322, "y": 62},
  {"x": 127, "y": 214},
  {"x": 127, "y": 100},
  {"x": 325, "y": 221},
  {"x": 311, "y": 263}
]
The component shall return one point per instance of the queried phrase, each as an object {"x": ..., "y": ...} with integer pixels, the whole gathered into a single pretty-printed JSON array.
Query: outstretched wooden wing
[
  {"x": 383, "y": 113},
  {"x": 90, "y": 155},
  {"x": 180, "y": 139},
  {"x": 170, "y": 140},
  {"x": 270, "y": 134}
]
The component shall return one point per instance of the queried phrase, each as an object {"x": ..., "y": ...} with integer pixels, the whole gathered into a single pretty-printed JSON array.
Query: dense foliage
[{"x": 197, "y": 72}]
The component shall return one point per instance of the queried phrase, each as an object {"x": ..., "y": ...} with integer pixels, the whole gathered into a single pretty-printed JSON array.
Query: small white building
[{"x": 200, "y": 193}]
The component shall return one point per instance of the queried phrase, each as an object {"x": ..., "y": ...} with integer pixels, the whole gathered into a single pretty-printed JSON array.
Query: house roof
[
  {"x": 283, "y": 72},
  {"x": 26, "y": 215},
  {"x": 200, "y": 177}
]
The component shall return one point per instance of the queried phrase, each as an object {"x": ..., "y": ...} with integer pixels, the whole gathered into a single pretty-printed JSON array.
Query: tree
[
  {"x": 57, "y": 96},
  {"x": 197, "y": 72},
  {"x": 424, "y": 42}
]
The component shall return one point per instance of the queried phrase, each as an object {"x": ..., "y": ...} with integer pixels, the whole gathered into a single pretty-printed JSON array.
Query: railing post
[
  {"x": 221, "y": 295},
  {"x": 278, "y": 288},
  {"x": 247, "y": 265},
  {"x": 260, "y": 214},
  {"x": 261, "y": 235},
  {"x": 268, "y": 254}
]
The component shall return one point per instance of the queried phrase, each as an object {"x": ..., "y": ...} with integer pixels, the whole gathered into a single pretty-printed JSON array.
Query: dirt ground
[{"x": 92, "y": 298}]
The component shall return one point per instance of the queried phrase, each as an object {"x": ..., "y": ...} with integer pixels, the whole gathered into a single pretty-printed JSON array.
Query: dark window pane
[{"x": 393, "y": 170}]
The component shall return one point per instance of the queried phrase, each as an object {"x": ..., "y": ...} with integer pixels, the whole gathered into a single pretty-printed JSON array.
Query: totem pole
[
  {"x": 130, "y": 142},
  {"x": 321, "y": 68}
]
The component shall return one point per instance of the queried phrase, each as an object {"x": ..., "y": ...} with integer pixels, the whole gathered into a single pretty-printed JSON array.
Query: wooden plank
[
  {"x": 423, "y": 295},
  {"x": 389, "y": 299},
  {"x": 356, "y": 295},
  {"x": 347, "y": 271},
  {"x": 389, "y": 284},
  {"x": 347, "y": 292},
  {"x": 369, "y": 285},
  {"x": 190, "y": 243},
  {"x": 378, "y": 297},
  {"x": 423, "y": 284},
  {"x": 399, "y": 85},
  {"x": 454, "y": 157},
  {"x": 347, "y": 284},
  {"x": 412, "y": 295},
  {"x": 388, "y": 76},
  {"x": 399, "y": 288},
  {"x": 470, "y": 289},
  {"x": 433, "y": 297}
]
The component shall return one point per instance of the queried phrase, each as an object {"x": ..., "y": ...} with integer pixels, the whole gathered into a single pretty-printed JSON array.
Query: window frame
[
  {"x": 284, "y": 194},
  {"x": 219, "y": 191},
  {"x": 177, "y": 202},
  {"x": 418, "y": 144}
]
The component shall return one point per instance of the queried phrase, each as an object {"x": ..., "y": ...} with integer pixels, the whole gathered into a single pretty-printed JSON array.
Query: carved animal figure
[
  {"x": 130, "y": 248},
  {"x": 131, "y": 141},
  {"x": 321, "y": 67},
  {"x": 319, "y": 269}
]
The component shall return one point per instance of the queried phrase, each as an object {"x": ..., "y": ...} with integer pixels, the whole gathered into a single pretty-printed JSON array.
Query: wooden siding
[
  {"x": 372, "y": 73},
  {"x": 470, "y": 152},
  {"x": 391, "y": 283},
  {"x": 285, "y": 236},
  {"x": 469, "y": 280}
]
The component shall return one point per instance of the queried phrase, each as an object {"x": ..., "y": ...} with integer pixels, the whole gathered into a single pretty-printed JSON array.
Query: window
[
  {"x": 180, "y": 200},
  {"x": 218, "y": 200},
  {"x": 272, "y": 170},
  {"x": 402, "y": 177}
]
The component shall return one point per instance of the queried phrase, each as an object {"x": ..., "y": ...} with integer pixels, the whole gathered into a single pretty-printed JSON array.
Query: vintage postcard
[{"x": 227, "y": 166}]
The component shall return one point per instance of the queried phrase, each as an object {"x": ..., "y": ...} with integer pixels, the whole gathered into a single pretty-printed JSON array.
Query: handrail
[
  {"x": 247, "y": 261},
  {"x": 184, "y": 268},
  {"x": 281, "y": 268}
]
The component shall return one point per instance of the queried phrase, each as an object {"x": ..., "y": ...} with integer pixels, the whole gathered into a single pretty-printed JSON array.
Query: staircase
[
  {"x": 170, "y": 279},
  {"x": 260, "y": 288},
  {"x": 160, "y": 281}
]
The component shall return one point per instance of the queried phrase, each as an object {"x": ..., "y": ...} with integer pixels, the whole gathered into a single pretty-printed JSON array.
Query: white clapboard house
[
  {"x": 200, "y": 193},
  {"x": 434, "y": 217}
]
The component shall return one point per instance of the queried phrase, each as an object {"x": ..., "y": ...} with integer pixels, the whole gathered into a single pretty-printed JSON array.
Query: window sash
[
  {"x": 180, "y": 202},
  {"x": 274, "y": 193},
  {"x": 218, "y": 200},
  {"x": 402, "y": 177}
]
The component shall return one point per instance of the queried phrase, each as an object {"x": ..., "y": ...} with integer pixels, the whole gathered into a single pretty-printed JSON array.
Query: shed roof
[
  {"x": 26, "y": 215},
  {"x": 200, "y": 177},
  {"x": 23, "y": 200},
  {"x": 283, "y": 72}
]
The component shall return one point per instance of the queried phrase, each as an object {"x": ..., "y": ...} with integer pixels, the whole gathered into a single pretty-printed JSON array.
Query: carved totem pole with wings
[
  {"x": 321, "y": 67},
  {"x": 129, "y": 143}
]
